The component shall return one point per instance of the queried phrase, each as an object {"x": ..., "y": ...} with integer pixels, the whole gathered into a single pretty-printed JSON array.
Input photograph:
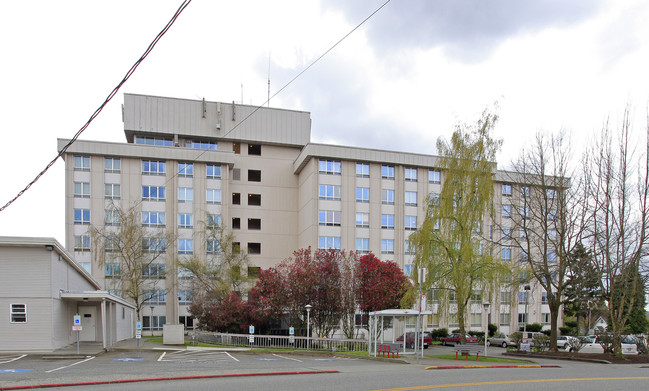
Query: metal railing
[{"x": 281, "y": 342}]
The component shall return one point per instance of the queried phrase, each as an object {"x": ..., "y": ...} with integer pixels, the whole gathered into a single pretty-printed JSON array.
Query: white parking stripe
[
  {"x": 229, "y": 355},
  {"x": 71, "y": 365},
  {"x": 162, "y": 356},
  {"x": 13, "y": 359},
  {"x": 286, "y": 358}
]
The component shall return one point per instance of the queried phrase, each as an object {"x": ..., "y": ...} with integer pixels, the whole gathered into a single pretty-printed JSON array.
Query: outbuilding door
[{"x": 88, "y": 323}]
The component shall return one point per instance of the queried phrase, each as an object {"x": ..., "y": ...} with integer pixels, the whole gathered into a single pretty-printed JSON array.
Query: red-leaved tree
[{"x": 382, "y": 284}]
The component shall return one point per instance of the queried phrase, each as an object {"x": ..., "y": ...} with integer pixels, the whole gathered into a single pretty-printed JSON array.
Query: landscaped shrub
[
  {"x": 534, "y": 327},
  {"x": 439, "y": 333},
  {"x": 540, "y": 342},
  {"x": 565, "y": 330}
]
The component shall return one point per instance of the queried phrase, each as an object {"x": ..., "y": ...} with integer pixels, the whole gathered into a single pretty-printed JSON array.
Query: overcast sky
[{"x": 399, "y": 82}]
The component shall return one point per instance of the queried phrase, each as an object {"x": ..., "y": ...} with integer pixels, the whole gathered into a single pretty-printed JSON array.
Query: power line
[{"x": 108, "y": 99}]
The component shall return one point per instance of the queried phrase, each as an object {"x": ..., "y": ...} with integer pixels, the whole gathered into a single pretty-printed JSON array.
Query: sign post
[
  {"x": 76, "y": 326},
  {"x": 251, "y": 338},
  {"x": 138, "y": 332},
  {"x": 291, "y": 335}
]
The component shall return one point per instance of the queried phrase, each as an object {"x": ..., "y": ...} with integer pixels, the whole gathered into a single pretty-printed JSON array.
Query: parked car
[
  {"x": 455, "y": 339},
  {"x": 592, "y": 344},
  {"x": 563, "y": 342},
  {"x": 410, "y": 339},
  {"x": 499, "y": 340}
]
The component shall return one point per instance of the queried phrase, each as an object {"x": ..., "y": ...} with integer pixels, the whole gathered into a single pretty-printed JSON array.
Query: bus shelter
[{"x": 377, "y": 323}]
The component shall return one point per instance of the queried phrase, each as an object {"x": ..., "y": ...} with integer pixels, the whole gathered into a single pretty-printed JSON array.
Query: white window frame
[
  {"x": 186, "y": 170},
  {"x": 387, "y": 171},
  {"x": 364, "y": 191},
  {"x": 362, "y": 220},
  {"x": 154, "y": 219},
  {"x": 112, "y": 164},
  {"x": 410, "y": 222},
  {"x": 17, "y": 313},
  {"x": 83, "y": 213},
  {"x": 329, "y": 217},
  {"x": 411, "y": 198},
  {"x": 387, "y": 246},
  {"x": 410, "y": 174},
  {"x": 330, "y": 167},
  {"x": 159, "y": 195},
  {"x": 112, "y": 191},
  {"x": 363, "y": 245},
  {"x": 185, "y": 195},
  {"x": 329, "y": 192},
  {"x": 81, "y": 243},
  {"x": 81, "y": 163},
  {"x": 185, "y": 220},
  {"x": 387, "y": 196},
  {"x": 154, "y": 167},
  {"x": 185, "y": 246},
  {"x": 506, "y": 211},
  {"x": 211, "y": 171},
  {"x": 507, "y": 189},
  {"x": 434, "y": 176},
  {"x": 387, "y": 221},
  {"x": 329, "y": 242},
  {"x": 213, "y": 196},
  {"x": 362, "y": 170},
  {"x": 82, "y": 189}
]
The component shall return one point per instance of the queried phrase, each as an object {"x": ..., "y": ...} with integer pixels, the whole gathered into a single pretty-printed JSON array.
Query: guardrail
[{"x": 281, "y": 341}]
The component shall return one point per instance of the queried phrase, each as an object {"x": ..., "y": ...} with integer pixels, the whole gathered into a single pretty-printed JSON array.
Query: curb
[
  {"x": 549, "y": 357},
  {"x": 492, "y": 366},
  {"x": 92, "y": 383}
]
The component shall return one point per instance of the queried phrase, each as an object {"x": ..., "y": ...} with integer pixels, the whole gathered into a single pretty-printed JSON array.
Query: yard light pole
[
  {"x": 589, "y": 310},
  {"x": 486, "y": 329},
  {"x": 527, "y": 290},
  {"x": 308, "y": 338},
  {"x": 151, "y": 320}
]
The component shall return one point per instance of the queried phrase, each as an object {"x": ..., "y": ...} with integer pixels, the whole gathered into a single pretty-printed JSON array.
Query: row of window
[
  {"x": 152, "y": 167},
  {"x": 333, "y": 218},
  {"x": 387, "y": 171},
  {"x": 362, "y": 244},
  {"x": 333, "y": 192}
]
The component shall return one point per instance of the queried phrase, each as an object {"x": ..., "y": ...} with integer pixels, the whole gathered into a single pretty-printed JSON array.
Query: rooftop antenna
[{"x": 268, "y": 100}]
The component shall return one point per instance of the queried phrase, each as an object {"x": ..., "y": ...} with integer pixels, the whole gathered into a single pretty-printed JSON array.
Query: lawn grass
[{"x": 472, "y": 358}]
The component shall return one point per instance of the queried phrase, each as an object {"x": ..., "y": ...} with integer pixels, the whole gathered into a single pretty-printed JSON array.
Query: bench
[
  {"x": 388, "y": 348},
  {"x": 468, "y": 349}
]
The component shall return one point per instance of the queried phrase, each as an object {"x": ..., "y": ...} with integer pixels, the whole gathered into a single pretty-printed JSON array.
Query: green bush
[
  {"x": 534, "y": 327},
  {"x": 547, "y": 332},
  {"x": 492, "y": 329},
  {"x": 517, "y": 338},
  {"x": 540, "y": 342},
  {"x": 566, "y": 330},
  {"x": 571, "y": 323},
  {"x": 439, "y": 333}
]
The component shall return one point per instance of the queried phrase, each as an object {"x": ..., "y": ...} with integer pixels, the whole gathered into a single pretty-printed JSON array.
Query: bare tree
[
  {"x": 619, "y": 192},
  {"x": 133, "y": 255},
  {"x": 349, "y": 286},
  {"x": 548, "y": 215}
]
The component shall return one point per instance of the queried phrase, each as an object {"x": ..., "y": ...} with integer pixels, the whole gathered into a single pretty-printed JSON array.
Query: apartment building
[{"x": 254, "y": 170}]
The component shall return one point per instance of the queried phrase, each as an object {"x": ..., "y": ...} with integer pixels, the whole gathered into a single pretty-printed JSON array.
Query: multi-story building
[{"x": 255, "y": 170}]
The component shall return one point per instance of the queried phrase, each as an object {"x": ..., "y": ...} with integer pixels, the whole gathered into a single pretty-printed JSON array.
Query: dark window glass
[
  {"x": 236, "y": 198},
  {"x": 254, "y": 199}
]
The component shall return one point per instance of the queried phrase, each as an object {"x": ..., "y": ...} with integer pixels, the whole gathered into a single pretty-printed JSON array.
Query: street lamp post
[
  {"x": 589, "y": 313},
  {"x": 308, "y": 337},
  {"x": 151, "y": 320},
  {"x": 486, "y": 329},
  {"x": 527, "y": 290}
]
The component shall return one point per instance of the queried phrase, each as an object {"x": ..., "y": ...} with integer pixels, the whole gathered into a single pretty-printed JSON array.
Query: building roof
[{"x": 48, "y": 244}]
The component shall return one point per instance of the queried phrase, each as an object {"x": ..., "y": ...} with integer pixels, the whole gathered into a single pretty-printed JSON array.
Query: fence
[{"x": 281, "y": 341}]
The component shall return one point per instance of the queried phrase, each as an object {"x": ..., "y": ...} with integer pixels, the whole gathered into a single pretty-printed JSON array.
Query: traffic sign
[
  {"x": 76, "y": 328},
  {"x": 252, "y": 329},
  {"x": 291, "y": 330},
  {"x": 138, "y": 325},
  {"x": 138, "y": 333},
  {"x": 77, "y": 320},
  {"x": 251, "y": 339}
]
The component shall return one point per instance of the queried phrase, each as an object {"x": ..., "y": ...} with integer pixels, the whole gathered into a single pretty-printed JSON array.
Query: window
[
  {"x": 254, "y": 248},
  {"x": 387, "y": 197},
  {"x": 112, "y": 217},
  {"x": 506, "y": 212},
  {"x": 82, "y": 243},
  {"x": 213, "y": 196},
  {"x": 154, "y": 245},
  {"x": 551, "y": 193},
  {"x": 153, "y": 322},
  {"x": 387, "y": 246},
  {"x": 551, "y": 256},
  {"x": 184, "y": 273},
  {"x": 111, "y": 243},
  {"x": 387, "y": 221},
  {"x": 525, "y": 212},
  {"x": 254, "y": 224},
  {"x": 185, "y": 194},
  {"x": 476, "y": 319},
  {"x": 544, "y": 297},
  {"x": 255, "y": 199},
  {"x": 362, "y": 170},
  {"x": 505, "y": 318},
  {"x": 254, "y": 149},
  {"x": 434, "y": 176},
  {"x": 213, "y": 246},
  {"x": 154, "y": 271},
  {"x": 185, "y": 246},
  {"x": 505, "y": 298},
  {"x": 254, "y": 175},
  {"x": 387, "y": 172},
  {"x": 236, "y": 148},
  {"x": 112, "y": 191},
  {"x": 363, "y": 245},
  {"x": 506, "y": 233},
  {"x": 236, "y": 198},
  {"x": 201, "y": 145},
  {"x": 507, "y": 190},
  {"x": 522, "y": 318},
  {"x": 184, "y": 297},
  {"x": 253, "y": 271},
  {"x": 82, "y": 163},
  {"x": 156, "y": 296},
  {"x": 161, "y": 142},
  {"x": 81, "y": 189},
  {"x": 522, "y": 297},
  {"x": 213, "y": 171},
  {"x": 331, "y": 167},
  {"x": 409, "y": 249},
  {"x": 153, "y": 193},
  {"x": 186, "y": 169},
  {"x": 525, "y": 191},
  {"x": 433, "y": 198},
  {"x": 411, "y": 174},
  {"x": 362, "y": 194},
  {"x": 82, "y": 216},
  {"x": 153, "y": 219},
  {"x": 236, "y": 223},
  {"x": 112, "y": 270},
  {"x": 185, "y": 220},
  {"x": 506, "y": 254},
  {"x": 410, "y": 223},
  {"x": 329, "y": 217},
  {"x": 329, "y": 242},
  {"x": 112, "y": 164},
  {"x": 213, "y": 221},
  {"x": 329, "y": 192},
  {"x": 545, "y": 318},
  {"x": 552, "y": 214},
  {"x": 411, "y": 198},
  {"x": 153, "y": 167},
  {"x": 236, "y": 174},
  {"x": 18, "y": 313},
  {"x": 362, "y": 220}
]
